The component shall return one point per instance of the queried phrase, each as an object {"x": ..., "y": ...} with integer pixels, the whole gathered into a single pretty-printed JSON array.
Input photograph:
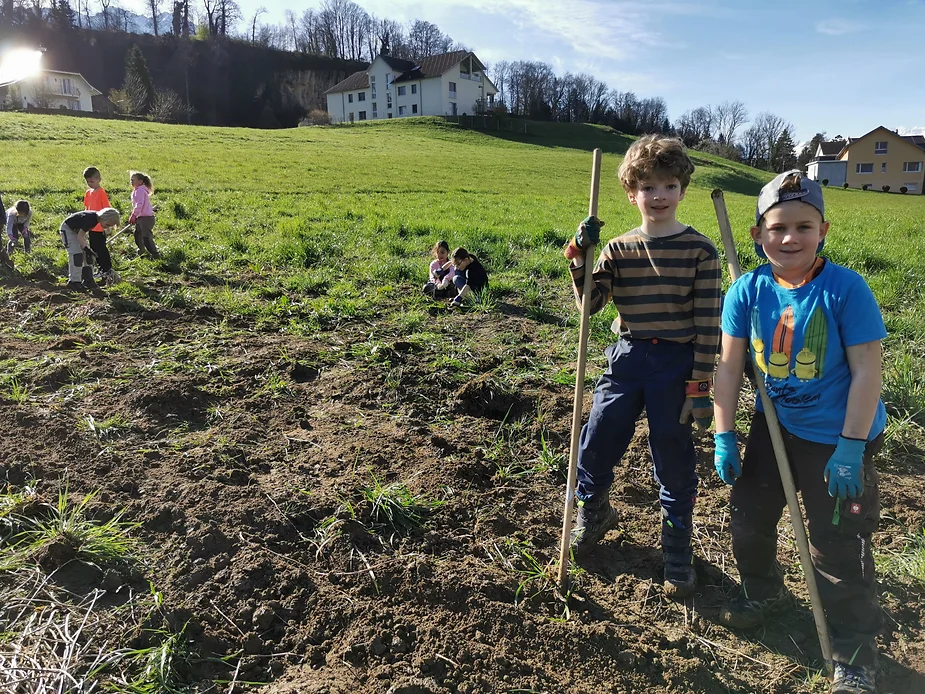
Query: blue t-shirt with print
[{"x": 797, "y": 339}]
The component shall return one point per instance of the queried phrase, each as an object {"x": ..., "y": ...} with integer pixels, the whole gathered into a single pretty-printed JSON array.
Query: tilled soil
[{"x": 243, "y": 455}]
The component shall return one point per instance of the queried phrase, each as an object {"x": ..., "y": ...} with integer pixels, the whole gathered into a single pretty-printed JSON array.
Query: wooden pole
[
  {"x": 780, "y": 452},
  {"x": 578, "y": 400}
]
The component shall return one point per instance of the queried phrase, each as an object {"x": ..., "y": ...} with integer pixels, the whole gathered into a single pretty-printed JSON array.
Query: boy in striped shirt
[{"x": 665, "y": 280}]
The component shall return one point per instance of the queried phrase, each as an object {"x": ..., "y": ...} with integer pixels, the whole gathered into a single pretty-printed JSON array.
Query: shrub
[
  {"x": 845, "y": 185},
  {"x": 865, "y": 186},
  {"x": 317, "y": 117},
  {"x": 885, "y": 189},
  {"x": 825, "y": 181},
  {"x": 904, "y": 190}
]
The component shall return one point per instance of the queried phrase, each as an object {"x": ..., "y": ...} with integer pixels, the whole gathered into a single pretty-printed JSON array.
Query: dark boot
[
  {"x": 854, "y": 679},
  {"x": 595, "y": 517},
  {"x": 680, "y": 578},
  {"x": 86, "y": 274},
  {"x": 747, "y": 613}
]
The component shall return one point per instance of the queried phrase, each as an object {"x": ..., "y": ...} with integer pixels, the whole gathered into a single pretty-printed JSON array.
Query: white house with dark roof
[
  {"x": 448, "y": 84},
  {"x": 58, "y": 89},
  {"x": 825, "y": 164}
]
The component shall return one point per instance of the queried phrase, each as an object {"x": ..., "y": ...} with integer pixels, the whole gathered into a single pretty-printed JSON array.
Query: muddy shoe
[
  {"x": 680, "y": 577},
  {"x": 748, "y": 614},
  {"x": 76, "y": 286},
  {"x": 854, "y": 679},
  {"x": 595, "y": 517}
]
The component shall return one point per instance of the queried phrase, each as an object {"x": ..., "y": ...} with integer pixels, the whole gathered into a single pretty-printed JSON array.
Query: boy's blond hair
[{"x": 655, "y": 156}]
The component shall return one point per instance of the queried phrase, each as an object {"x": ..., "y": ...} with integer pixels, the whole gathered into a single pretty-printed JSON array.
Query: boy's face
[
  {"x": 790, "y": 233},
  {"x": 93, "y": 182},
  {"x": 657, "y": 198}
]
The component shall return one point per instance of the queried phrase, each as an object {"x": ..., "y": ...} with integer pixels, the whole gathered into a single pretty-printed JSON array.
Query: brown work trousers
[{"x": 840, "y": 541}]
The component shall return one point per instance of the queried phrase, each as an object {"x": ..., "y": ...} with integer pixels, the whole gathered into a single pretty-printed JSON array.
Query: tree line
[{"x": 342, "y": 29}]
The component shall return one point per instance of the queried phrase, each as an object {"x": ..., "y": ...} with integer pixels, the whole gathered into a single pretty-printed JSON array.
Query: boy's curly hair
[{"x": 655, "y": 156}]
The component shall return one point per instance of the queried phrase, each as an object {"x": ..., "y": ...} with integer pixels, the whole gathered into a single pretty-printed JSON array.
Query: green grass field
[
  {"x": 303, "y": 228},
  {"x": 320, "y": 237}
]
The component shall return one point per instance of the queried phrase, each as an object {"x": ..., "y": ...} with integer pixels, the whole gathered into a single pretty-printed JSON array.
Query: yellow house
[{"x": 884, "y": 158}]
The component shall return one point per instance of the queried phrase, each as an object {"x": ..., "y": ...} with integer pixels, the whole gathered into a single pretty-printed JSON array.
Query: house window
[
  {"x": 401, "y": 91},
  {"x": 864, "y": 168},
  {"x": 361, "y": 96},
  {"x": 453, "y": 107},
  {"x": 374, "y": 110},
  {"x": 414, "y": 108},
  {"x": 66, "y": 86},
  {"x": 452, "y": 89},
  {"x": 880, "y": 148},
  {"x": 372, "y": 85},
  {"x": 912, "y": 166},
  {"x": 402, "y": 110},
  {"x": 351, "y": 116},
  {"x": 350, "y": 98},
  {"x": 883, "y": 168},
  {"x": 388, "y": 79},
  {"x": 362, "y": 115},
  {"x": 390, "y": 115},
  {"x": 414, "y": 89},
  {"x": 912, "y": 187},
  {"x": 388, "y": 99}
]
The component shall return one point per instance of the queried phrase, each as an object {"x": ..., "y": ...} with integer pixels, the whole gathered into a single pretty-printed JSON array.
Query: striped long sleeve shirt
[{"x": 666, "y": 288}]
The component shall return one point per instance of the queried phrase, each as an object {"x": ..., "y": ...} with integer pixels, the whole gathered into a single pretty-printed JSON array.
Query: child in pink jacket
[{"x": 143, "y": 214}]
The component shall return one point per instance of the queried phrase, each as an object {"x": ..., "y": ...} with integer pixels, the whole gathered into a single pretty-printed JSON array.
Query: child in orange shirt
[{"x": 95, "y": 199}]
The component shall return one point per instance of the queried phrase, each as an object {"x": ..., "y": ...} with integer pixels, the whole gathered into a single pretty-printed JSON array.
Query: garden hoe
[
  {"x": 780, "y": 452},
  {"x": 579, "y": 382}
]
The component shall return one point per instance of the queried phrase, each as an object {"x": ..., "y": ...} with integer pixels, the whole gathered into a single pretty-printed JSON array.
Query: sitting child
[
  {"x": 470, "y": 278},
  {"x": 440, "y": 279}
]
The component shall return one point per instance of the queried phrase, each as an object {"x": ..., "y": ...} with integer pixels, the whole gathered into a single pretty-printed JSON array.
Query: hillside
[{"x": 306, "y": 477}]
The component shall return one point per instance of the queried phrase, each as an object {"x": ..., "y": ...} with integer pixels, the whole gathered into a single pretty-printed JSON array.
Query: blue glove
[
  {"x": 844, "y": 471},
  {"x": 726, "y": 457},
  {"x": 589, "y": 232}
]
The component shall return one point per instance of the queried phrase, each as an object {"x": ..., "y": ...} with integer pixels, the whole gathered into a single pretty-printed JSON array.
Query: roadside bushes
[
  {"x": 845, "y": 185},
  {"x": 904, "y": 190},
  {"x": 885, "y": 189},
  {"x": 825, "y": 181}
]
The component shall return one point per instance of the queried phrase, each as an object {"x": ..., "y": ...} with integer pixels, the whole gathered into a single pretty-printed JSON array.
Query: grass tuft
[{"x": 395, "y": 506}]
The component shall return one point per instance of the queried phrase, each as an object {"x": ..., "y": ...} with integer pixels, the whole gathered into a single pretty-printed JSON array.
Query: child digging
[
  {"x": 18, "y": 218},
  {"x": 440, "y": 274},
  {"x": 74, "y": 232},
  {"x": 813, "y": 330},
  {"x": 664, "y": 278}
]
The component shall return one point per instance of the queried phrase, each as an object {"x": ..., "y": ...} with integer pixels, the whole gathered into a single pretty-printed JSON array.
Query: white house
[
  {"x": 57, "y": 89},
  {"x": 447, "y": 84},
  {"x": 825, "y": 164}
]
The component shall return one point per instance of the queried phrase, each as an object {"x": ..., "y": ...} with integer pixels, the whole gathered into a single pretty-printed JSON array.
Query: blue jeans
[{"x": 650, "y": 374}]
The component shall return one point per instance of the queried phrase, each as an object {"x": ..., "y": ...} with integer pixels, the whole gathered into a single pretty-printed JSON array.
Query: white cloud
[
  {"x": 838, "y": 27},
  {"x": 917, "y": 130}
]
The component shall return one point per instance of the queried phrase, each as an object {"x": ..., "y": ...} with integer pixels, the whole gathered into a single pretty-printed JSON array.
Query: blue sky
[{"x": 839, "y": 66}]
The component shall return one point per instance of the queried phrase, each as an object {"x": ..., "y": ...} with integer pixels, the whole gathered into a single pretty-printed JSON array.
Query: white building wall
[
  {"x": 834, "y": 171},
  {"x": 69, "y": 91},
  {"x": 432, "y": 102},
  {"x": 336, "y": 107}
]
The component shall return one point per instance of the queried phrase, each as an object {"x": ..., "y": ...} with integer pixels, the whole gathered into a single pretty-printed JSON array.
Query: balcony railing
[{"x": 474, "y": 78}]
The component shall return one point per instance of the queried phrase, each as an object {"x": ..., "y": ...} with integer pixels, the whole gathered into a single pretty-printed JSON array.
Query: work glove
[
  {"x": 588, "y": 234},
  {"x": 726, "y": 457},
  {"x": 845, "y": 470},
  {"x": 702, "y": 409}
]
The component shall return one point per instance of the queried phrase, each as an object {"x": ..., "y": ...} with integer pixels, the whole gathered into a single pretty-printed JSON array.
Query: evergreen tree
[
  {"x": 783, "y": 157},
  {"x": 809, "y": 151},
  {"x": 136, "y": 70},
  {"x": 62, "y": 15}
]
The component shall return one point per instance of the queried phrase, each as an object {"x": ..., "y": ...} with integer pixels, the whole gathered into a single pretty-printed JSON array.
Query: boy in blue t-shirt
[{"x": 813, "y": 330}]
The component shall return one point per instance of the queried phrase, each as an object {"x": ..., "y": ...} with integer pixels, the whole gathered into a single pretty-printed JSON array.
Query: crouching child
[
  {"x": 73, "y": 233},
  {"x": 470, "y": 277}
]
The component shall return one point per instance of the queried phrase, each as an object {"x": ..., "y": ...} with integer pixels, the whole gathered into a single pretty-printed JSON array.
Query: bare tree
[
  {"x": 155, "y": 7},
  {"x": 426, "y": 39},
  {"x": 227, "y": 15},
  {"x": 210, "y": 7},
  {"x": 730, "y": 116},
  {"x": 167, "y": 106},
  {"x": 132, "y": 98},
  {"x": 260, "y": 10},
  {"x": 104, "y": 10}
]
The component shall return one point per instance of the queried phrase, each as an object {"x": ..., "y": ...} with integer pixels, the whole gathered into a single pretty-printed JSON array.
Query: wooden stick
[
  {"x": 578, "y": 400},
  {"x": 780, "y": 453}
]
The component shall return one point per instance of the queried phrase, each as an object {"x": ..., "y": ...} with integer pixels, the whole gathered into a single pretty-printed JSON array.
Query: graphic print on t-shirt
[{"x": 809, "y": 362}]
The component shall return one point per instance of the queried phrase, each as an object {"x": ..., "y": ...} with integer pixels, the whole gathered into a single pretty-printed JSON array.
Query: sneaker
[
  {"x": 595, "y": 517},
  {"x": 748, "y": 614},
  {"x": 854, "y": 679},
  {"x": 680, "y": 577}
]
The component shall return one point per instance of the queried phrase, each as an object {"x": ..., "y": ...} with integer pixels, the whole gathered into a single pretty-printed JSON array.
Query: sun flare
[{"x": 19, "y": 64}]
